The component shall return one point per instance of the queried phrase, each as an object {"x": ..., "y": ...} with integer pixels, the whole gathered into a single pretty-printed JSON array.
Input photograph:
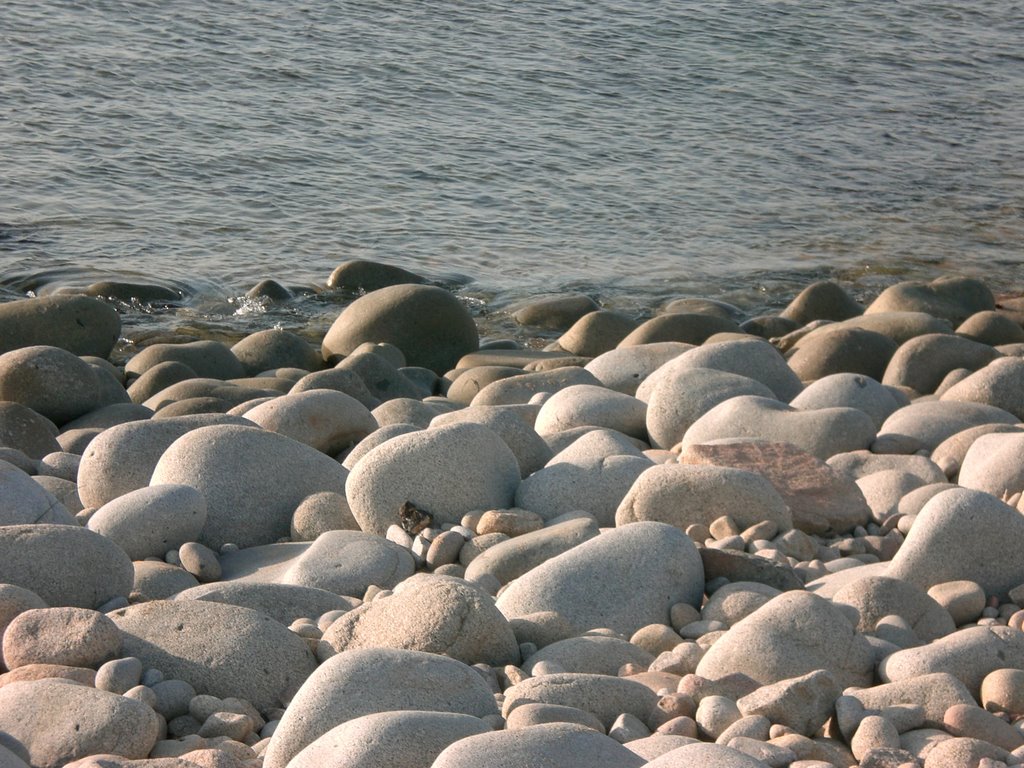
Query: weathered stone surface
[
  {"x": 252, "y": 480},
  {"x": 220, "y": 650},
  {"x": 122, "y": 458},
  {"x": 875, "y": 597},
  {"x": 53, "y": 722},
  {"x": 850, "y": 390},
  {"x": 367, "y": 275},
  {"x": 27, "y": 431},
  {"x": 51, "y": 381},
  {"x": 512, "y": 558},
  {"x": 934, "y": 693},
  {"x": 430, "y": 325},
  {"x": 513, "y": 427},
  {"x": 282, "y": 602},
  {"x": 402, "y": 739},
  {"x": 625, "y": 368},
  {"x": 585, "y": 405},
  {"x": 74, "y": 637},
  {"x": 835, "y": 349},
  {"x": 446, "y": 471},
  {"x": 923, "y": 362},
  {"x": 364, "y": 682},
  {"x": 930, "y": 421},
  {"x": 79, "y": 324},
  {"x": 791, "y": 635},
  {"x": 605, "y": 696},
  {"x": 821, "y": 433},
  {"x": 819, "y": 498},
  {"x": 522, "y": 388},
  {"x": 436, "y": 614},
  {"x": 150, "y": 521},
  {"x": 968, "y": 654},
  {"x": 207, "y": 358},
  {"x": 347, "y": 562},
  {"x": 993, "y": 464},
  {"x": 64, "y": 564},
  {"x": 24, "y": 501},
  {"x": 685, "y": 327},
  {"x": 686, "y": 494},
  {"x": 325, "y": 419},
  {"x": 677, "y": 398},
  {"x": 740, "y": 566},
  {"x": 645, "y": 568},
  {"x": 735, "y": 601},
  {"x": 553, "y": 745},
  {"x": 590, "y": 654},
  {"x": 950, "y": 297},
  {"x": 275, "y": 348},
  {"x": 556, "y": 313},
  {"x": 963, "y": 534},
  {"x": 802, "y": 703}
]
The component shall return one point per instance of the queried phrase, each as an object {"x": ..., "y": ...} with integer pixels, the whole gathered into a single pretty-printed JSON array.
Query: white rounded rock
[
  {"x": 583, "y": 405},
  {"x": 325, "y": 419},
  {"x": 849, "y": 390},
  {"x": 624, "y": 369},
  {"x": 993, "y": 464},
  {"x": 446, "y": 471},
  {"x": 150, "y": 521}
]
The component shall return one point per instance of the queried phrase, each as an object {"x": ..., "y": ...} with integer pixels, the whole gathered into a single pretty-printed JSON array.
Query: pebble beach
[{"x": 698, "y": 538}]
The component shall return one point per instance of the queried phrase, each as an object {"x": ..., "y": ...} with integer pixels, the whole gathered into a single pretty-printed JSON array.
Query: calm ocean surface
[{"x": 636, "y": 151}]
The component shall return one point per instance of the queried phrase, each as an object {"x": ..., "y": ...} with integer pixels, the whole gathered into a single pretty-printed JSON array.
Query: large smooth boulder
[
  {"x": 949, "y": 297},
  {"x": 513, "y": 557},
  {"x": 623, "y": 579},
  {"x": 625, "y": 368},
  {"x": 252, "y": 480},
  {"x": 325, "y": 419},
  {"x": 275, "y": 348},
  {"x": 51, "y": 381},
  {"x": 347, "y": 562},
  {"x": 850, "y": 390},
  {"x": 25, "y": 430},
  {"x": 522, "y": 388},
  {"x": 122, "y": 458},
  {"x": 835, "y": 349},
  {"x": 53, "y": 722},
  {"x": 207, "y": 358},
  {"x": 548, "y": 745},
  {"x": 687, "y": 494},
  {"x": 24, "y": 501},
  {"x": 446, "y": 471},
  {"x": 512, "y": 426},
  {"x": 963, "y": 534},
  {"x": 79, "y": 324},
  {"x": 364, "y": 682},
  {"x": 929, "y": 422},
  {"x": 221, "y": 650},
  {"x": 793, "y": 634},
  {"x": 923, "y": 362},
  {"x": 430, "y": 325},
  {"x": 678, "y": 397},
  {"x": 150, "y": 521},
  {"x": 282, "y": 602},
  {"x": 402, "y": 739},
  {"x": 367, "y": 275},
  {"x": 822, "y": 433},
  {"x": 876, "y": 597},
  {"x": 993, "y": 464},
  {"x": 64, "y": 564},
  {"x": 605, "y": 696},
  {"x": 1000, "y": 383},
  {"x": 437, "y": 614}
]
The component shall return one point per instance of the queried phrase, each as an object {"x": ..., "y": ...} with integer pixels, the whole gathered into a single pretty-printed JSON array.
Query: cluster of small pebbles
[{"x": 700, "y": 539}]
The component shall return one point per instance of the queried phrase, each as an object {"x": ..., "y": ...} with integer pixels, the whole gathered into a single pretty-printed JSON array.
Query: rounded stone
[
  {"x": 122, "y": 458},
  {"x": 963, "y": 600},
  {"x": 221, "y": 650},
  {"x": 834, "y": 349},
  {"x": 319, "y": 513},
  {"x": 822, "y": 300},
  {"x": 793, "y": 634},
  {"x": 252, "y": 480},
  {"x": 64, "y": 565},
  {"x": 510, "y": 558},
  {"x": 961, "y": 534},
  {"x": 119, "y": 675},
  {"x": 754, "y": 358},
  {"x": 446, "y": 471},
  {"x": 172, "y": 698},
  {"x": 822, "y": 433},
  {"x": 79, "y": 324},
  {"x": 430, "y": 325},
  {"x": 677, "y": 398},
  {"x": 1002, "y": 690},
  {"x": 364, "y": 682},
  {"x": 56, "y": 722},
  {"x": 150, "y": 521},
  {"x": 849, "y": 390},
  {"x": 283, "y": 602},
  {"x": 929, "y": 422},
  {"x": 158, "y": 581},
  {"x": 24, "y": 429},
  {"x": 524, "y": 387},
  {"x": 993, "y": 464},
  {"x": 367, "y": 275},
  {"x": 512, "y": 426},
  {"x": 1000, "y": 383},
  {"x": 596, "y": 332},
  {"x": 875, "y": 597},
  {"x": 200, "y": 561},
  {"x": 327, "y": 420},
  {"x": 436, "y": 614},
  {"x": 402, "y": 739},
  {"x": 207, "y": 358},
  {"x": 685, "y": 327},
  {"x": 950, "y": 297},
  {"x": 626, "y": 368},
  {"x": 590, "y": 654},
  {"x": 338, "y": 379},
  {"x": 991, "y": 327},
  {"x": 24, "y": 501},
  {"x": 275, "y": 348},
  {"x": 51, "y": 381},
  {"x": 552, "y": 745},
  {"x": 585, "y": 405},
  {"x": 923, "y": 362},
  {"x": 604, "y": 696},
  {"x": 348, "y": 562},
  {"x": 733, "y": 602},
  {"x": 644, "y": 568},
  {"x": 74, "y": 637},
  {"x": 688, "y": 494}
]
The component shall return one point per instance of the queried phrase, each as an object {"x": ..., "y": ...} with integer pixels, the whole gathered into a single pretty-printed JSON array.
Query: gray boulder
[
  {"x": 79, "y": 324},
  {"x": 347, "y": 562},
  {"x": 325, "y": 419},
  {"x": 150, "y": 521},
  {"x": 24, "y": 501}
]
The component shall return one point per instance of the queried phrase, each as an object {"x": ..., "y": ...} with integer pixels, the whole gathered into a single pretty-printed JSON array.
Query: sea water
[{"x": 634, "y": 150}]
